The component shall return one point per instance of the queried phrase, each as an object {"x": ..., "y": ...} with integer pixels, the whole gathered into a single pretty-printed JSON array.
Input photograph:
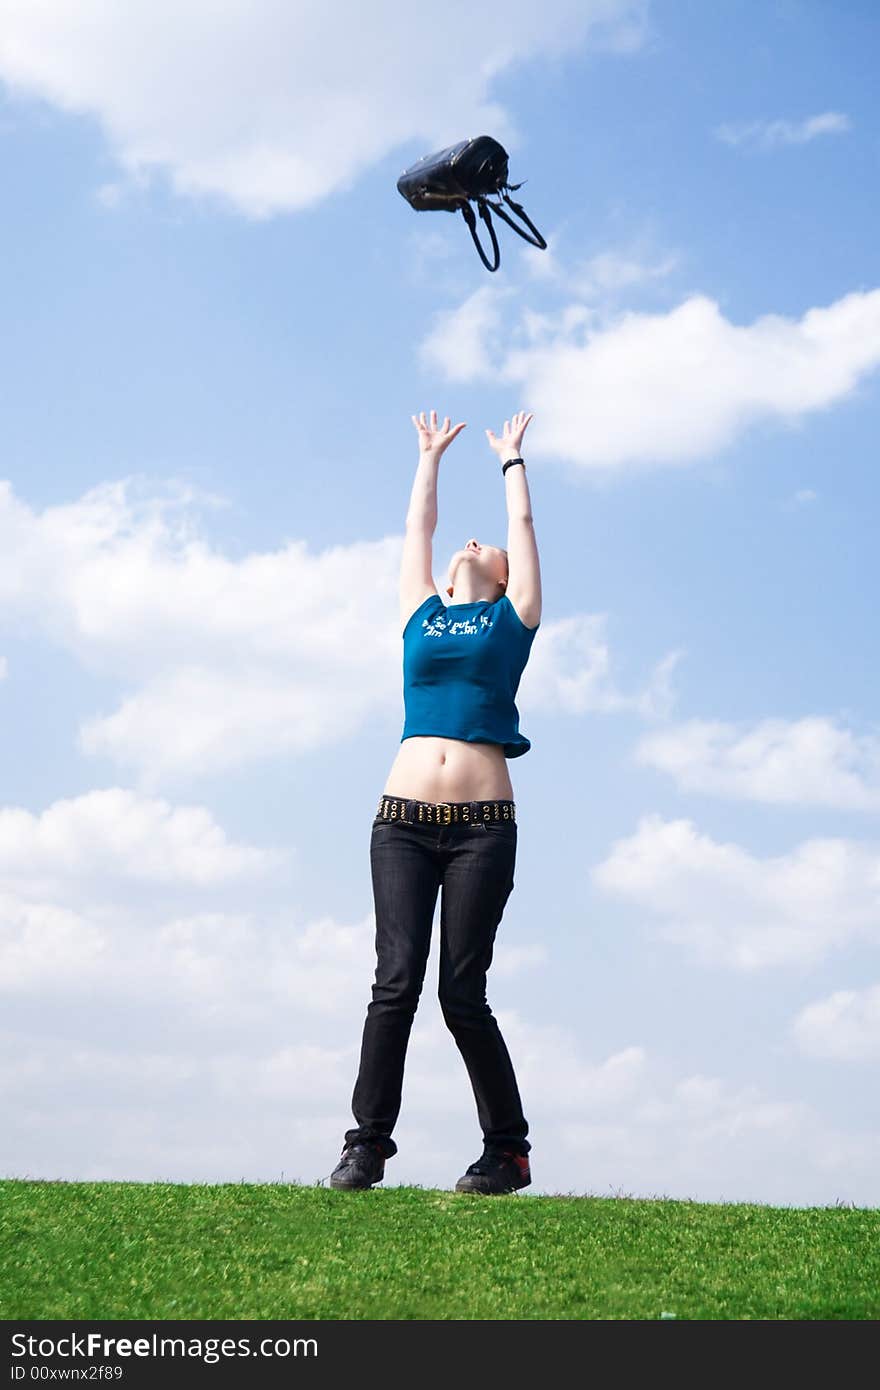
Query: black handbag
[{"x": 453, "y": 177}]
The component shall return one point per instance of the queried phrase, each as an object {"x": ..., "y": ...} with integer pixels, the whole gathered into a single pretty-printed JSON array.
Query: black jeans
[{"x": 409, "y": 863}]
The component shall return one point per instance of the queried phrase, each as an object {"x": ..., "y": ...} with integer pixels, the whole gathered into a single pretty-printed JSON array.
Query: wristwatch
[{"x": 511, "y": 462}]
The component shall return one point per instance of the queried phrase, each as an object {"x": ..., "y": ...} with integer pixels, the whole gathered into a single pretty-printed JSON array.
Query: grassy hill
[{"x": 249, "y": 1250}]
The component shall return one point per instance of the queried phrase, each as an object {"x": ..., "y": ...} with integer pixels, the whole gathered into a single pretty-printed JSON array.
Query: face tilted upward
[{"x": 488, "y": 565}]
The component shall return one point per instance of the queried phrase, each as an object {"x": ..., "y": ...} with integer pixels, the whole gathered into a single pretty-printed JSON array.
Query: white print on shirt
[{"x": 461, "y": 627}]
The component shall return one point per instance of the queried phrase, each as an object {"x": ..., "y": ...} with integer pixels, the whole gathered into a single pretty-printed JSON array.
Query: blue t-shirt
[{"x": 462, "y": 664}]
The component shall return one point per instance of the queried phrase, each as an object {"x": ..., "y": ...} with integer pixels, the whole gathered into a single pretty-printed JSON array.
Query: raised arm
[
  {"x": 524, "y": 570},
  {"x": 416, "y": 577}
]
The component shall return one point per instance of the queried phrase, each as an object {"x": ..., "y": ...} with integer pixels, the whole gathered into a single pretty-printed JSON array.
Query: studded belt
[{"x": 443, "y": 812}]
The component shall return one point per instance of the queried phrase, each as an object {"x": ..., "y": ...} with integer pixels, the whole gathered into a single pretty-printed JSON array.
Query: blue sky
[{"x": 219, "y": 316}]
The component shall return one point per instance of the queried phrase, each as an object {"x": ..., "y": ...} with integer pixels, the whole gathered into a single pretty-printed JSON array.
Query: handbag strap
[
  {"x": 537, "y": 240},
  {"x": 468, "y": 214}
]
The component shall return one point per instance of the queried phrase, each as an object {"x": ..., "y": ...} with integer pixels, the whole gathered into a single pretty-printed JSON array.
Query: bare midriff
[{"x": 428, "y": 768}]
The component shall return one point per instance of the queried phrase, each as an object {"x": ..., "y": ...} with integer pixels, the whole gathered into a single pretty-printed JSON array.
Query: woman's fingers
[
  {"x": 514, "y": 428},
  {"x": 431, "y": 427},
  {"x": 519, "y": 422}
]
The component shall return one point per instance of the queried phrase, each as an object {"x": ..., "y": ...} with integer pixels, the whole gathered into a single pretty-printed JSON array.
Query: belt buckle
[{"x": 447, "y": 807}]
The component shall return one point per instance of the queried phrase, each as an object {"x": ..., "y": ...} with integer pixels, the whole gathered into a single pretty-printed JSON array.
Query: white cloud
[
  {"x": 541, "y": 265},
  {"x": 665, "y": 388},
  {"x": 458, "y": 344},
  {"x": 714, "y": 1111},
  {"x": 703, "y": 1137},
  {"x": 732, "y": 908},
  {"x": 233, "y": 968},
  {"x": 72, "y": 902},
  {"x": 273, "y": 106},
  {"x": 206, "y": 718},
  {"x": 771, "y": 134},
  {"x": 47, "y": 947},
  {"x": 570, "y": 673},
  {"x": 844, "y": 1026},
  {"x": 510, "y": 960},
  {"x": 221, "y": 661},
  {"x": 225, "y": 662},
  {"x": 462, "y": 343},
  {"x": 4, "y": 668},
  {"x": 212, "y": 968},
  {"x": 610, "y": 271},
  {"x": 118, "y": 834},
  {"x": 601, "y": 276},
  {"x": 806, "y": 761},
  {"x": 244, "y": 967},
  {"x": 572, "y": 1085}
]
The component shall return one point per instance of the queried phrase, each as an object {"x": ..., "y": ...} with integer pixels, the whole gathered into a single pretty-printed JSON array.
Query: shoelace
[
  {"x": 489, "y": 1160},
  {"x": 351, "y": 1150}
]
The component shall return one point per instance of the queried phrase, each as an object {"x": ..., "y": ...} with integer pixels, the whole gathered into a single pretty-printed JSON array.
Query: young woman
[{"x": 447, "y": 818}]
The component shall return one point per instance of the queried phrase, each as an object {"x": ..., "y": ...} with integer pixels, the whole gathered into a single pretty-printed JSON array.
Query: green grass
[{"x": 78, "y": 1250}]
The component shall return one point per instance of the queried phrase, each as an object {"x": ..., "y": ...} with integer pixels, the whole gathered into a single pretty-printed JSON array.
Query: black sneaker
[
  {"x": 361, "y": 1165},
  {"x": 496, "y": 1171}
]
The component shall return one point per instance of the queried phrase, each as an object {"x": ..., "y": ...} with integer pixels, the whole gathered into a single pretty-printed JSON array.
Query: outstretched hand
[
  {"x": 510, "y": 443},
  {"x": 431, "y": 439}
]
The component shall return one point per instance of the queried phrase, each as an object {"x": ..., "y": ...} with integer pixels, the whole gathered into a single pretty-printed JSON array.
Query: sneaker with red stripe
[
  {"x": 362, "y": 1163},
  {"x": 495, "y": 1172}
]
